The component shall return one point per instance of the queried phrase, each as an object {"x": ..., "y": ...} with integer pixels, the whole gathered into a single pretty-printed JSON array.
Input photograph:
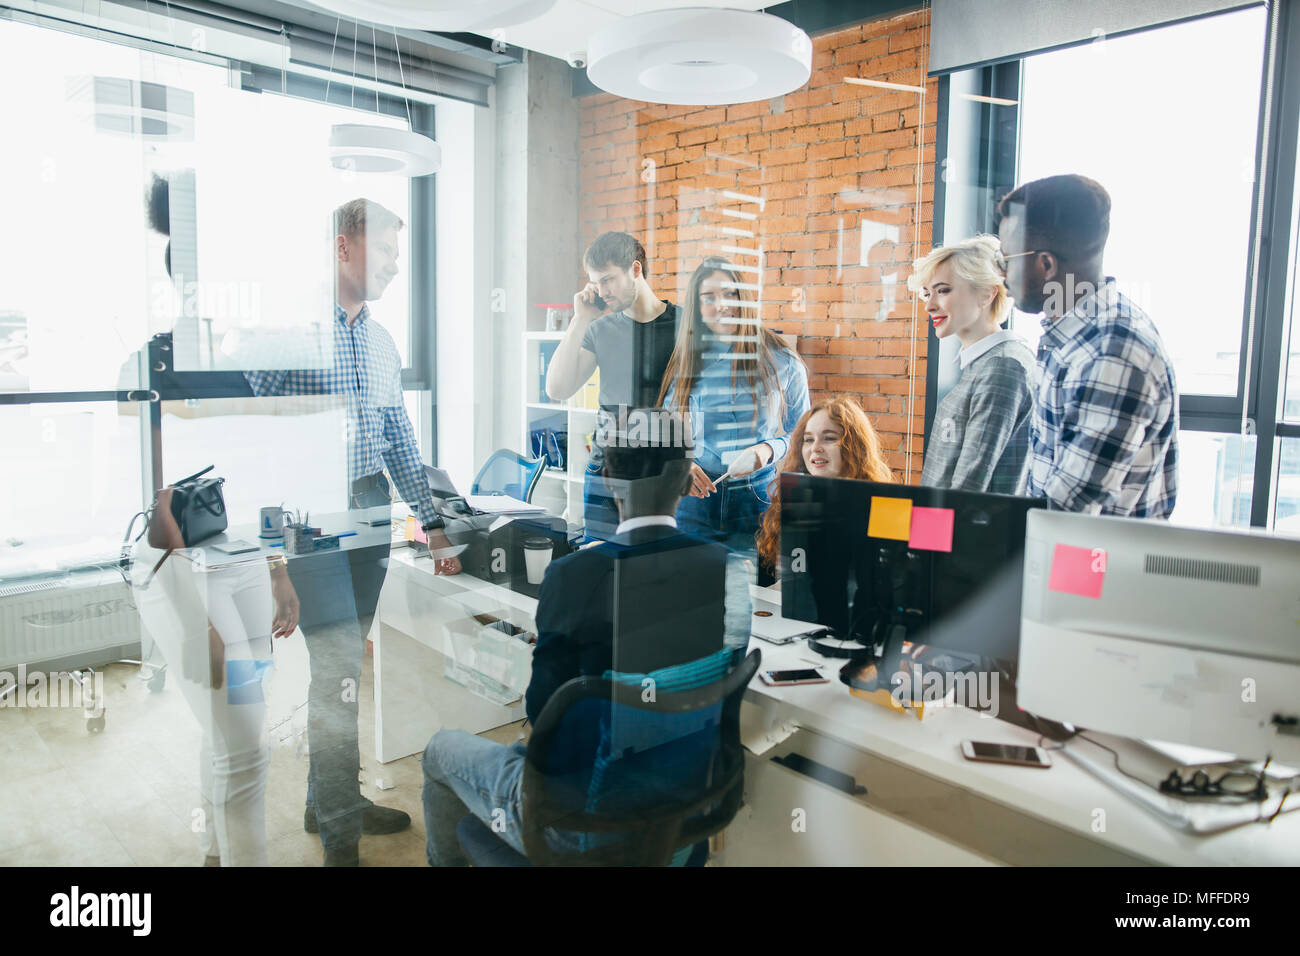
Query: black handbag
[{"x": 199, "y": 507}]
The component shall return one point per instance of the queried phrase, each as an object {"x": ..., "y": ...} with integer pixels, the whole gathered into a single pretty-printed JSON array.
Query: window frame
[
  {"x": 419, "y": 376},
  {"x": 1257, "y": 405}
]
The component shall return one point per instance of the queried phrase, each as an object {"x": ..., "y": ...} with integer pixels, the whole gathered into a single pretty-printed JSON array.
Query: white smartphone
[
  {"x": 1014, "y": 754},
  {"x": 807, "y": 675}
]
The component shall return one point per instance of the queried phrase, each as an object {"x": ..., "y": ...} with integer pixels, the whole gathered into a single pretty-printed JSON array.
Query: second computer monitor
[{"x": 882, "y": 562}]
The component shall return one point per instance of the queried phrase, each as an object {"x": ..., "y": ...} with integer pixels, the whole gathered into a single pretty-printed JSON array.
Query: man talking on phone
[{"x": 621, "y": 327}]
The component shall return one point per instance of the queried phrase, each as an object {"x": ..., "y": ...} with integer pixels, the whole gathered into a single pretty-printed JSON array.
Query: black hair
[
  {"x": 653, "y": 463},
  {"x": 1068, "y": 215},
  {"x": 157, "y": 210}
]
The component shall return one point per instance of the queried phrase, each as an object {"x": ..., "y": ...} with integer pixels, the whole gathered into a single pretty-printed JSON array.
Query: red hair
[{"x": 860, "y": 455}]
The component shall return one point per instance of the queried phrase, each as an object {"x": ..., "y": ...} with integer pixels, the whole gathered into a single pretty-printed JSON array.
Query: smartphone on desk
[
  {"x": 1014, "y": 754},
  {"x": 792, "y": 678}
]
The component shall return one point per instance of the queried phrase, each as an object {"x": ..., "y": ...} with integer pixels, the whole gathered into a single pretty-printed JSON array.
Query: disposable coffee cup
[
  {"x": 537, "y": 555},
  {"x": 271, "y": 523}
]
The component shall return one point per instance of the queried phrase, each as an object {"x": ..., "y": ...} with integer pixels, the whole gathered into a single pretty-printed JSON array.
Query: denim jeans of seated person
[{"x": 465, "y": 774}]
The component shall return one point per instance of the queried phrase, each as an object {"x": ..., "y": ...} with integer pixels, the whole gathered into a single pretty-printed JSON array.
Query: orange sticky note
[
  {"x": 931, "y": 529},
  {"x": 890, "y": 518},
  {"x": 414, "y": 532},
  {"x": 1080, "y": 571}
]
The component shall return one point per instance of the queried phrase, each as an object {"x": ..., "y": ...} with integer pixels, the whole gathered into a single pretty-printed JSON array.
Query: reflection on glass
[
  {"x": 282, "y": 450},
  {"x": 70, "y": 482}
]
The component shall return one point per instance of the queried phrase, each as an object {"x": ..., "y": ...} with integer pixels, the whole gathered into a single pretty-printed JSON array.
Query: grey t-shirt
[{"x": 632, "y": 356}]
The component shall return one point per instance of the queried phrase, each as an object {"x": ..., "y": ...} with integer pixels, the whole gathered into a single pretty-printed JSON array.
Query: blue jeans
[
  {"x": 732, "y": 514},
  {"x": 465, "y": 774}
]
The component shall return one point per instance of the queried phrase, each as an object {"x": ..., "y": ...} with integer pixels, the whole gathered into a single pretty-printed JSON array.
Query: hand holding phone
[{"x": 588, "y": 305}]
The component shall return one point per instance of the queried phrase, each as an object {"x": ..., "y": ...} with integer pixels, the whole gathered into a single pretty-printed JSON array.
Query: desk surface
[
  {"x": 1065, "y": 795},
  {"x": 342, "y": 522}
]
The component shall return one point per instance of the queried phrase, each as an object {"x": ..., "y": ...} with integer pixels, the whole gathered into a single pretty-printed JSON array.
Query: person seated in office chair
[{"x": 576, "y": 631}]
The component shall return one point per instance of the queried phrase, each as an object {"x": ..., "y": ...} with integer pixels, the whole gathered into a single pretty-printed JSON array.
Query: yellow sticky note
[{"x": 890, "y": 518}]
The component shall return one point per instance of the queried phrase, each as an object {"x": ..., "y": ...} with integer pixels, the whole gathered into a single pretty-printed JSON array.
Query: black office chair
[
  {"x": 507, "y": 472},
  {"x": 660, "y": 776}
]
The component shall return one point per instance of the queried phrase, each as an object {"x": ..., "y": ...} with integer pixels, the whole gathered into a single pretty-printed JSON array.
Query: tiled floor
[{"x": 127, "y": 796}]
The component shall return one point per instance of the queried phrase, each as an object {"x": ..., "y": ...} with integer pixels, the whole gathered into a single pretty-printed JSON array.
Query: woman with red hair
[{"x": 833, "y": 439}]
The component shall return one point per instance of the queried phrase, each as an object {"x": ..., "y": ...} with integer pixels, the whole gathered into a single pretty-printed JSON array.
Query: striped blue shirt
[
  {"x": 723, "y": 421},
  {"x": 1104, "y": 436},
  {"x": 367, "y": 372}
]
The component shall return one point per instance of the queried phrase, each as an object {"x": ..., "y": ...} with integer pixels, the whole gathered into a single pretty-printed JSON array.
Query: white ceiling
[{"x": 567, "y": 26}]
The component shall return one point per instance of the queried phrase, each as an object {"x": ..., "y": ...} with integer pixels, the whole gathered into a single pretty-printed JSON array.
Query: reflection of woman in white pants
[{"x": 214, "y": 627}]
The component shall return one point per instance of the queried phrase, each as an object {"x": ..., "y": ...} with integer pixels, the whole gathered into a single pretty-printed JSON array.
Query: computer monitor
[
  {"x": 1143, "y": 629},
  {"x": 881, "y": 564}
]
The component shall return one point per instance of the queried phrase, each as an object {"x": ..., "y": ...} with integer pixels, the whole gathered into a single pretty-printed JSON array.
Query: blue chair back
[
  {"x": 508, "y": 473},
  {"x": 668, "y": 767}
]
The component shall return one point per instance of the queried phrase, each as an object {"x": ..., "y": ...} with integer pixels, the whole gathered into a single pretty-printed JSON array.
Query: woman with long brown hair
[
  {"x": 743, "y": 389},
  {"x": 833, "y": 439}
]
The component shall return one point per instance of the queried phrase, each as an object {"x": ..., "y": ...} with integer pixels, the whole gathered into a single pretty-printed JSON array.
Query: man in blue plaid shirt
[
  {"x": 339, "y": 590},
  {"x": 1104, "y": 433}
]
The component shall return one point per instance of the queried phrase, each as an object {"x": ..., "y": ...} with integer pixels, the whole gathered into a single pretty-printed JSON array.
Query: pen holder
[{"x": 298, "y": 539}]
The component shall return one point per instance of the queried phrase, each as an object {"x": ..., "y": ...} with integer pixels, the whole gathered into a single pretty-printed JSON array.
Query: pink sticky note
[
  {"x": 931, "y": 529},
  {"x": 1078, "y": 571},
  {"x": 414, "y": 531}
]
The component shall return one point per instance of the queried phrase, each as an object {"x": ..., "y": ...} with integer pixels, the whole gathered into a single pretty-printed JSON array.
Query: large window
[
  {"x": 240, "y": 274},
  {"x": 1168, "y": 120}
]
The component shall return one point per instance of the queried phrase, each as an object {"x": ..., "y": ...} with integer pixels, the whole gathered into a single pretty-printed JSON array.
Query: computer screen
[
  {"x": 882, "y": 563},
  {"x": 1148, "y": 630}
]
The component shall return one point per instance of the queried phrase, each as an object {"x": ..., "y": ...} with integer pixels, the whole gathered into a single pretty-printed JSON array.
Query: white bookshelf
[{"x": 559, "y": 490}]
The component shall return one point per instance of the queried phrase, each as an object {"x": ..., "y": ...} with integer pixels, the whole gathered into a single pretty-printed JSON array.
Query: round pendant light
[
  {"x": 381, "y": 149},
  {"x": 455, "y": 16},
  {"x": 700, "y": 56},
  {"x": 131, "y": 107}
]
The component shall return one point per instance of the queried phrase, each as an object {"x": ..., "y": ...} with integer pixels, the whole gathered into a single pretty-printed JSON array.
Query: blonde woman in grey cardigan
[{"x": 980, "y": 437}]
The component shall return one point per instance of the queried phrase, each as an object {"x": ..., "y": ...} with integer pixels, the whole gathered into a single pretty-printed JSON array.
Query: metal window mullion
[{"x": 1278, "y": 185}]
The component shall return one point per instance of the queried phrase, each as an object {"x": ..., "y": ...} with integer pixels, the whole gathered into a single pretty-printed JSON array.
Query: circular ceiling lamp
[
  {"x": 698, "y": 56},
  {"x": 362, "y": 148},
  {"x": 115, "y": 104},
  {"x": 450, "y": 16}
]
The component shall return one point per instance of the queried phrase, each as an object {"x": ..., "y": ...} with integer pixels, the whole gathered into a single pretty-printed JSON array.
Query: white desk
[
  {"x": 925, "y": 803},
  {"x": 915, "y": 775},
  {"x": 413, "y": 699}
]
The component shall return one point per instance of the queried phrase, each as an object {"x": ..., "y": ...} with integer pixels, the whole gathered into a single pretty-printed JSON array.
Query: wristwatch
[{"x": 435, "y": 524}]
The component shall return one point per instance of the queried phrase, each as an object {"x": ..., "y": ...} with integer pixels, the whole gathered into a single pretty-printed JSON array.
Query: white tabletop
[{"x": 1065, "y": 795}]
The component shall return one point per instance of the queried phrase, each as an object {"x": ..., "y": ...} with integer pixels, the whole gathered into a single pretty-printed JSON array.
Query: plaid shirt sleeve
[
  {"x": 995, "y": 405},
  {"x": 269, "y": 382},
  {"x": 1110, "y": 403},
  {"x": 403, "y": 460}
]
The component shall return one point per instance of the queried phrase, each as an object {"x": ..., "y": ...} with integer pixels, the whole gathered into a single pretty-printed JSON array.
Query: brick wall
[{"x": 835, "y": 181}]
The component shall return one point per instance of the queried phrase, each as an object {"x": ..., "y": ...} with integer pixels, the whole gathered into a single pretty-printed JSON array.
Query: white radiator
[{"x": 71, "y": 619}]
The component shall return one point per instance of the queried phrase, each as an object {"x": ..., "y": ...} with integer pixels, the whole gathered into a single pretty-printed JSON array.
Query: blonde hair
[
  {"x": 973, "y": 260},
  {"x": 352, "y": 218}
]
